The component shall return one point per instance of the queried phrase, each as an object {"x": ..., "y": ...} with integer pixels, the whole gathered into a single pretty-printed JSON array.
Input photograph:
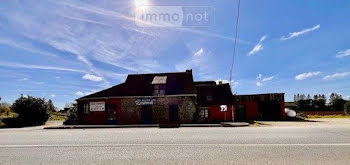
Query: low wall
[{"x": 322, "y": 113}]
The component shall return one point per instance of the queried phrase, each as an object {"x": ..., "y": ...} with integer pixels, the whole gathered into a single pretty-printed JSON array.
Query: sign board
[
  {"x": 223, "y": 108},
  {"x": 97, "y": 106},
  {"x": 145, "y": 101}
]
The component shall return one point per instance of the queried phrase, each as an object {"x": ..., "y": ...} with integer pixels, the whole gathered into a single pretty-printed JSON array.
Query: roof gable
[
  {"x": 220, "y": 94},
  {"x": 142, "y": 85}
]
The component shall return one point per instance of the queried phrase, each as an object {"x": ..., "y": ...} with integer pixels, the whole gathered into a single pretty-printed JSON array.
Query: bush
[
  {"x": 31, "y": 111},
  {"x": 12, "y": 122},
  {"x": 347, "y": 108},
  {"x": 73, "y": 117}
]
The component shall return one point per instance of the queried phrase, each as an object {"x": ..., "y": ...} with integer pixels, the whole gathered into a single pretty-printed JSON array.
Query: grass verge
[{"x": 327, "y": 116}]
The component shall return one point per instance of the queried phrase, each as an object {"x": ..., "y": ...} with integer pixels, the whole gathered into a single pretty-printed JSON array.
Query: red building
[
  {"x": 143, "y": 99},
  {"x": 214, "y": 102},
  {"x": 175, "y": 98},
  {"x": 268, "y": 106}
]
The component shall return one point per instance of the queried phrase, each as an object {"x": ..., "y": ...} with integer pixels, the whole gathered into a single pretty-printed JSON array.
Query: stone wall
[{"x": 131, "y": 113}]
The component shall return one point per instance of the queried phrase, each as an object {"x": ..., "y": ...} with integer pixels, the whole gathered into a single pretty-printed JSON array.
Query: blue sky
[{"x": 62, "y": 50}]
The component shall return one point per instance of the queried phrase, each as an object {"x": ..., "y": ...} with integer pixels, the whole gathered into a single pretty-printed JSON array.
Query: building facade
[
  {"x": 175, "y": 98},
  {"x": 143, "y": 99},
  {"x": 268, "y": 106}
]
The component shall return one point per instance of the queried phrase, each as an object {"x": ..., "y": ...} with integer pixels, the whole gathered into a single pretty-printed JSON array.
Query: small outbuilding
[
  {"x": 214, "y": 102},
  {"x": 269, "y": 106}
]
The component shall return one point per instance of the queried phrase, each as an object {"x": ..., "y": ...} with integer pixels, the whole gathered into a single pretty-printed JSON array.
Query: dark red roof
[
  {"x": 219, "y": 94},
  {"x": 141, "y": 85}
]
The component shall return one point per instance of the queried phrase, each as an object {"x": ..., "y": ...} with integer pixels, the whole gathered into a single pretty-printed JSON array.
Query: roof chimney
[
  {"x": 220, "y": 82},
  {"x": 189, "y": 71}
]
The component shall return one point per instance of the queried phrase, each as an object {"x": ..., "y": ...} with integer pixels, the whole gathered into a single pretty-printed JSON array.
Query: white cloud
[
  {"x": 337, "y": 75},
  {"x": 258, "y": 84},
  {"x": 259, "y": 76},
  {"x": 258, "y": 47},
  {"x": 233, "y": 83},
  {"x": 23, "y": 79},
  {"x": 29, "y": 66},
  {"x": 53, "y": 95},
  {"x": 199, "y": 52},
  {"x": 25, "y": 46},
  {"x": 262, "y": 79},
  {"x": 296, "y": 34},
  {"x": 58, "y": 77},
  {"x": 222, "y": 81},
  {"x": 92, "y": 77},
  {"x": 344, "y": 53},
  {"x": 201, "y": 64},
  {"x": 78, "y": 25},
  {"x": 80, "y": 93},
  {"x": 303, "y": 76},
  {"x": 267, "y": 79}
]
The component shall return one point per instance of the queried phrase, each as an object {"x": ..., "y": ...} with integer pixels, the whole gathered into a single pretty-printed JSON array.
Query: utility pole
[{"x": 235, "y": 42}]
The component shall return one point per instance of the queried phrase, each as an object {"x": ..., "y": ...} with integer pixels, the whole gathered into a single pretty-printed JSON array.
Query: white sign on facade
[
  {"x": 145, "y": 101},
  {"x": 97, "y": 106},
  {"x": 223, "y": 108}
]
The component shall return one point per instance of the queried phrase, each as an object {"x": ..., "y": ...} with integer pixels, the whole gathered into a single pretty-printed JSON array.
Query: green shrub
[
  {"x": 347, "y": 108},
  {"x": 73, "y": 117},
  {"x": 31, "y": 111}
]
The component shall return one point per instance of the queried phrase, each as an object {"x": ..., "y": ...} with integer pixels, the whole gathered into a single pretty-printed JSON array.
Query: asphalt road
[{"x": 321, "y": 144}]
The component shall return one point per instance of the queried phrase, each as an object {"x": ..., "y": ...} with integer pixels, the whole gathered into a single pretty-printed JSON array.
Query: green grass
[
  {"x": 10, "y": 115},
  {"x": 327, "y": 116},
  {"x": 57, "y": 116}
]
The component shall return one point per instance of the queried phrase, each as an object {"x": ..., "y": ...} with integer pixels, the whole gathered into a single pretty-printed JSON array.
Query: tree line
[{"x": 319, "y": 102}]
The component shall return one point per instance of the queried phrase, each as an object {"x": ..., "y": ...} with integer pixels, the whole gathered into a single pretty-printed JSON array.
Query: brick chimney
[{"x": 189, "y": 71}]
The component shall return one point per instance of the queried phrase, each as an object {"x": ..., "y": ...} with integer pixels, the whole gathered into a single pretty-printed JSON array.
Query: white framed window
[{"x": 204, "y": 113}]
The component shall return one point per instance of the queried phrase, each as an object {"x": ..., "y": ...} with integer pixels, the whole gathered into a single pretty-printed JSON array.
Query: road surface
[{"x": 300, "y": 144}]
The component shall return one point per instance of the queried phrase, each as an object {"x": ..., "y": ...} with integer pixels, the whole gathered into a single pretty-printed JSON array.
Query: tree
[
  {"x": 31, "y": 111},
  {"x": 336, "y": 102},
  {"x": 50, "y": 106},
  {"x": 73, "y": 117},
  {"x": 319, "y": 103},
  {"x": 69, "y": 105},
  {"x": 308, "y": 97},
  {"x": 347, "y": 108}
]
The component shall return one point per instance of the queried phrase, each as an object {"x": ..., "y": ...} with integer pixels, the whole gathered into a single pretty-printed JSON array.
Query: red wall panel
[
  {"x": 100, "y": 117},
  {"x": 251, "y": 107},
  {"x": 215, "y": 114}
]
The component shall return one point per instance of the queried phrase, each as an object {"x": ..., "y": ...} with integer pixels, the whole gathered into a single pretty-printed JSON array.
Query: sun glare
[{"x": 141, "y": 4}]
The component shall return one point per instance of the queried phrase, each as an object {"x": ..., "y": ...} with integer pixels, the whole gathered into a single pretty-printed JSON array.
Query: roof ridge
[{"x": 157, "y": 73}]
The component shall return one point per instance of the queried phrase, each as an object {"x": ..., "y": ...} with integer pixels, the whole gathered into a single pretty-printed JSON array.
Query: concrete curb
[
  {"x": 234, "y": 124},
  {"x": 100, "y": 126},
  {"x": 224, "y": 124}
]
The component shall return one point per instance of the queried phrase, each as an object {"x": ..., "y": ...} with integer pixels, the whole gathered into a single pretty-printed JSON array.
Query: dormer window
[{"x": 159, "y": 83}]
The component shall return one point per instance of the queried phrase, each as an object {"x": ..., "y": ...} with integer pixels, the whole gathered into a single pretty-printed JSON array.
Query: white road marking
[{"x": 193, "y": 144}]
